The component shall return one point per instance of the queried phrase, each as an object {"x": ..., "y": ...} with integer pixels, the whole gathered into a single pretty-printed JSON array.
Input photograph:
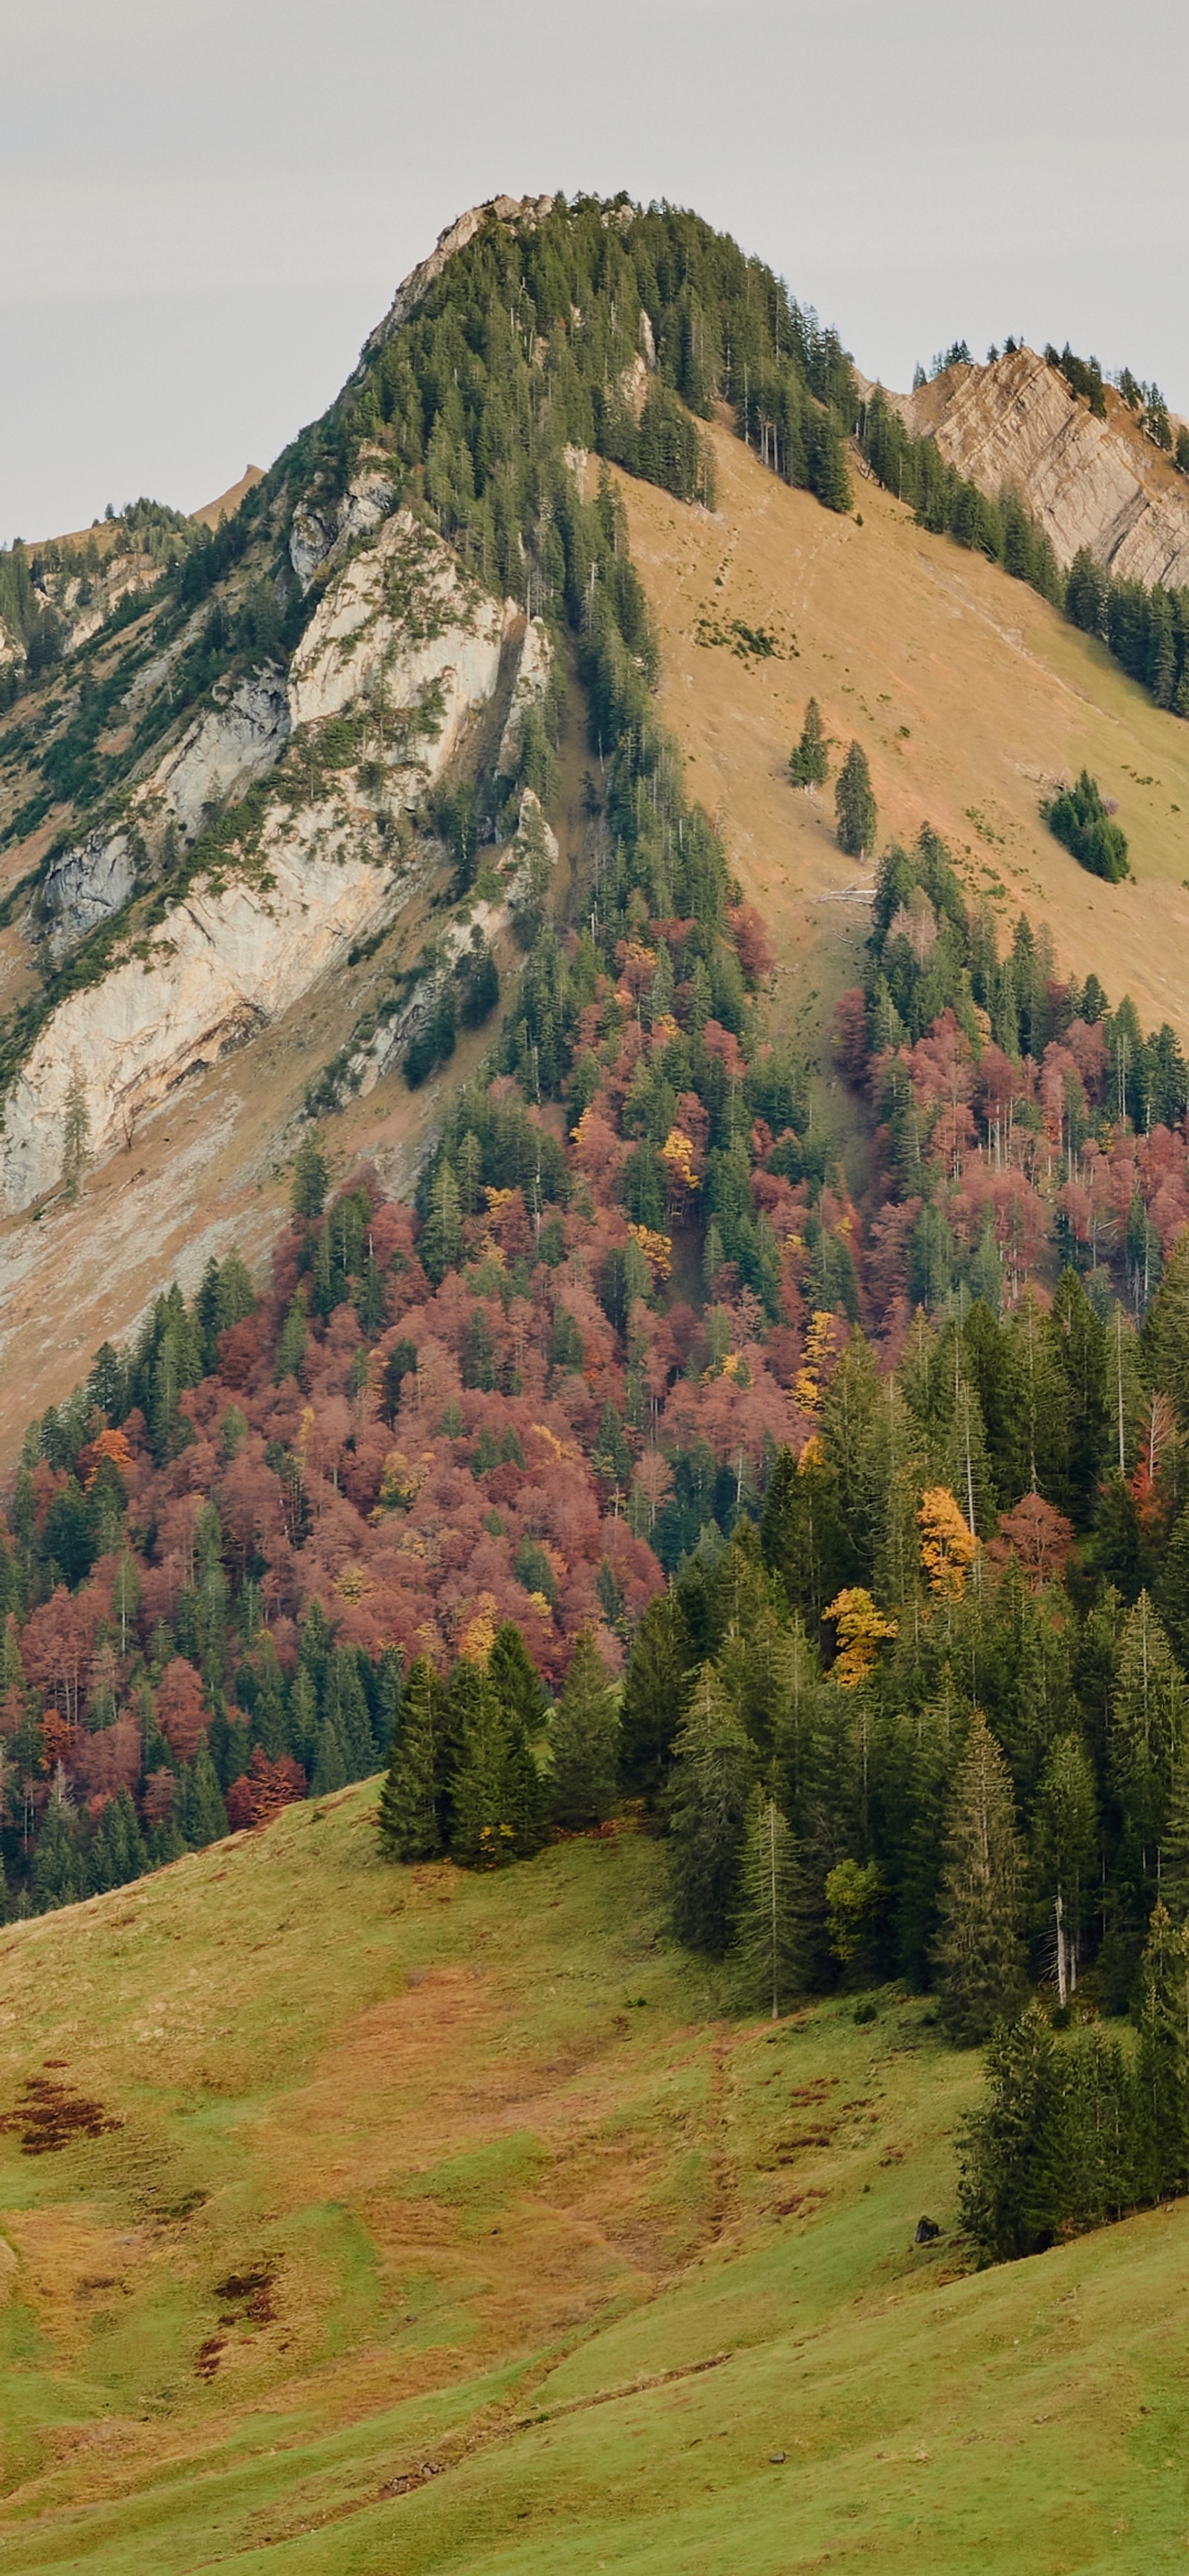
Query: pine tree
[
  {"x": 978, "y": 1954},
  {"x": 410, "y": 1825},
  {"x": 854, "y": 798},
  {"x": 809, "y": 761},
  {"x": 584, "y": 1738},
  {"x": 769, "y": 1945},
  {"x": 712, "y": 1780}
]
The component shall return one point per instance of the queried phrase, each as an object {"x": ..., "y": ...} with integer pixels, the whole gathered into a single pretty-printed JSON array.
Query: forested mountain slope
[{"x": 168, "y": 1007}]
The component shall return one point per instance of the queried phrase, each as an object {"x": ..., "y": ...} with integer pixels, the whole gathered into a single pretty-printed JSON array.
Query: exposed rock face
[
  {"x": 321, "y": 534},
  {"x": 399, "y": 634},
  {"x": 533, "y": 674},
  {"x": 1095, "y": 483},
  {"x": 217, "y": 760},
  {"x": 84, "y": 887},
  {"x": 220, "y": 966},
  {"x": 399, "y": 629}
]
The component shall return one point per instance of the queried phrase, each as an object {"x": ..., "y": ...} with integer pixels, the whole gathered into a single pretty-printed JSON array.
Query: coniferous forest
[{"x": 647, "y": 1465}]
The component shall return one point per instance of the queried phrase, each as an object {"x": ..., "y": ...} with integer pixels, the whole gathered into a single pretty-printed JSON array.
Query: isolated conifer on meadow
[
  {"x": 854, "y": 798},
  {"x": 809, "y": 760}
]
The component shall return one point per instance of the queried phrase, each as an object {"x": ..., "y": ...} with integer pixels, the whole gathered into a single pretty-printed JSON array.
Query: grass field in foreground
[{"x": 417, "y": 2171}]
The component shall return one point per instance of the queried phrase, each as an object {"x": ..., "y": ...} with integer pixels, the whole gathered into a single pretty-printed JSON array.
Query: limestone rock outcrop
[
  {"x": 222, "y": 964},
  {"x": 400, "y": 630},
  {"x": 1095, "y": 483}
]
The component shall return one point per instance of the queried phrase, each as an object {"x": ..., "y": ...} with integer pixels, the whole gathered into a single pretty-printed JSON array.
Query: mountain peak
[{"x": 505, "y": 210}]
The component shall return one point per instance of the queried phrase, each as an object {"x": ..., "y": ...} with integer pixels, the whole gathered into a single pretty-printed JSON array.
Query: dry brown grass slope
[{"x": 969, "y": 694}]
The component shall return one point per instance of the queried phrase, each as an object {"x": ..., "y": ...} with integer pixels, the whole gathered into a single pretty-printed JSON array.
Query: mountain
[
  {"x": 596, "y": 1149},
  {"x": 194, "y": 925}
]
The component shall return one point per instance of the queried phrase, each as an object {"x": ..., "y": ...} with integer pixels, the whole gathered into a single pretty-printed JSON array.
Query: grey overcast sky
[{"x": 205, "y": 204}]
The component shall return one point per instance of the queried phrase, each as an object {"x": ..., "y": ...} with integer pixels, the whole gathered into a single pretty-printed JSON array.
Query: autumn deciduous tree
[{"x": 182, "y": 1713}]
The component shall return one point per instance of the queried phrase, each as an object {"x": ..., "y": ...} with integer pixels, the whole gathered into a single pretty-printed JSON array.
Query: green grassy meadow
[{"x": 457, "y": 2224}]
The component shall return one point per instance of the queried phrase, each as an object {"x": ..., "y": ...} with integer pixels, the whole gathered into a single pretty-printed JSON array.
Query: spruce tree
[
  {"x": 1149, "y": 1732},
  {"x": 198, "y": 1809},
  {"x": 1065, "y": 1853},
  {"x": 854, "y": 799},
  {"x": 656, "y": 1689},
  {"x": 769, "y": 1945},
  {"x": 978, "y": 1954},
  {"x": 497, "y": 1798},
  {"x": 515, "y": 1679},
  {"x": 996, "y": 2144},
  {"x": 584, "y": 1737},
  {"x": 441, "y": 1234},
  {"x": 1162, "y": 2062},
  {"x": 409, "y": 1822},
  {"x": 311, "y": 1177},
  {"x": 708, "y": 1794},
  {"x": 809, "y": 760}
]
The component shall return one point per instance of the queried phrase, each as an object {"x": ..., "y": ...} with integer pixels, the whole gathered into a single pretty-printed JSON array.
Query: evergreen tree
[
  {"x": 498, "y": 1804},
  {"x": 1162, "y": 2062},
  {"x": 198, "y": 1809},
  {"x": 769, "y": 1945},
  {"x": 515, "y": 1679},
  {"x": 997, "y": 2144},
  {"x": 809, "y": 761},
  {"x": 441, "y": 1234},
  {"x": 1149, "y": 1727},
  {"x": 712, "y": 1780},
  {"x": 854, "y": 797},
  {"x": 1065, "y": 1853},
  {"x": 656, "y": 1689},
  {"x": 410, "y": 1824},
  {"x": 978, "y": 1954},
  {"x": 58, "y": 1875},
  {"x": 331, "y": 1762},
  {"x": 311, "y": 1177},
  {"x": 584, "y": 1737}
]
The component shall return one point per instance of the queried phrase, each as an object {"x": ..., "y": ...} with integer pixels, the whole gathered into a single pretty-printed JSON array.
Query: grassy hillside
[
  {"x": 399, "y": 2171},
  {"x": 969, "y": 694}
]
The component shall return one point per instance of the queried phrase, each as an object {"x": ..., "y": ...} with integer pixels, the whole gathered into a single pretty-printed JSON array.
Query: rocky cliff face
[
  {"x": 407, "y": 648},
  {"x": 1095, "y": 483}
]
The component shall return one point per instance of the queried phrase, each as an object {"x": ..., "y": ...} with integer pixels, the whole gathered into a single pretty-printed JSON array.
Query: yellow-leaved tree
[{"x": 947, "y": 1543}]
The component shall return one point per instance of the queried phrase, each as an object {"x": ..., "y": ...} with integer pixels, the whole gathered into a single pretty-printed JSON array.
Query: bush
[{"x": 1079, "y": 819}]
